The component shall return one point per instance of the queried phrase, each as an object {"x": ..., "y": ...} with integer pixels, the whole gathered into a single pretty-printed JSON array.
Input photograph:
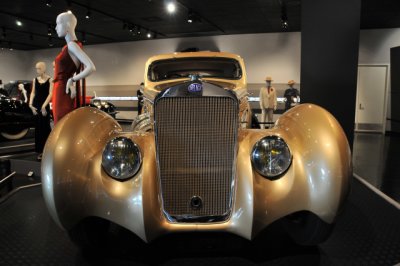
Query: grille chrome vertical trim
[{"x": 196, "y": 140}]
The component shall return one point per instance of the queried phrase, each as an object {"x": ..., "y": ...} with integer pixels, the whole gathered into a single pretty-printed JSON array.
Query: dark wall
[
  {"x": 329, "y": 57},
  {"x": 395, "y": 88}
]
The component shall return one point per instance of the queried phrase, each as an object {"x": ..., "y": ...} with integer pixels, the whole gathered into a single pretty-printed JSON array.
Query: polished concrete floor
[{"x": 376, "y": 158}]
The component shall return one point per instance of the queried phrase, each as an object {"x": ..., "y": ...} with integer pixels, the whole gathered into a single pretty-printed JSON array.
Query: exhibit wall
[
  {"x": 121, "y": 65},
  {"x": 375, "y": 50},
  {"x": 13, "y": 65}
]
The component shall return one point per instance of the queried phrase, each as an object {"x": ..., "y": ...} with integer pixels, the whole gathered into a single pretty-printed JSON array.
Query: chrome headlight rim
[
  {"x": 139, "y": 157},
  {"x": 271, "y": 177}
]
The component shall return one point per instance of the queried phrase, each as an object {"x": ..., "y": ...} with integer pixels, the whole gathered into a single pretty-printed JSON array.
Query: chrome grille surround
[{"x": 196, "y": 140}]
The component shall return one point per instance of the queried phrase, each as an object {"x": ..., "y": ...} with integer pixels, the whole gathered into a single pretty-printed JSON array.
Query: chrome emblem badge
[{"x": 195, "y": 87}]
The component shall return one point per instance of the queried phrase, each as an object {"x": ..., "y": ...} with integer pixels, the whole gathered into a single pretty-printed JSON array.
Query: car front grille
[{"x": 196, "y": 149}]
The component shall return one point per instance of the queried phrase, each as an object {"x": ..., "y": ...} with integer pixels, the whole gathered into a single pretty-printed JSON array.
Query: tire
[
  {"x": 90, "y": 234},
  {"x": 307, "y": 229},
  {"x": 15, "y": 135}
]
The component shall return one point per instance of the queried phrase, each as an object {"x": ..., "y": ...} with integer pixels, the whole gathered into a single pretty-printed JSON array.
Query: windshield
[{"x": 214, "y": 67}]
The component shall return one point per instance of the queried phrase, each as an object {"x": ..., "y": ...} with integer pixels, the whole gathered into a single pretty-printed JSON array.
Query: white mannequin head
[
  {"x": 21, "y": 87},
  {"x": 268, "y": 83},
  {"x": 40, "y": 68},
  {"x": 66, "y": 23}
]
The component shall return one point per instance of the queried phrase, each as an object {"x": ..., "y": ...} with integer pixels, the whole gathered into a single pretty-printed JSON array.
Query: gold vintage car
[{"x": 193, "y": 164}]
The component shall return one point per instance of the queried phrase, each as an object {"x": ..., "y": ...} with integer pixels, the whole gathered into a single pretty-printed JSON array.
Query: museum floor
[{"x": 366, "y": 233}]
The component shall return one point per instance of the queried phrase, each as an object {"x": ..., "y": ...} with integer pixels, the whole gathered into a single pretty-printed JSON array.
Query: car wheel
[
  {"x": 15, "y": 135},
  {"x": 90, "y": 234},
  {"x": 307, "y": 229}
]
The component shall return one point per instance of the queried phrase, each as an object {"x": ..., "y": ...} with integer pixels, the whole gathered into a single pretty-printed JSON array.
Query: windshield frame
[{"x": 227, "y": 59}]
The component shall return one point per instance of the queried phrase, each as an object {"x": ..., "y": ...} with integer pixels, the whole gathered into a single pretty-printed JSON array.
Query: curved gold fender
[
  {"x": 75, "y": 186},
  {"x": 317, "y": 180}
]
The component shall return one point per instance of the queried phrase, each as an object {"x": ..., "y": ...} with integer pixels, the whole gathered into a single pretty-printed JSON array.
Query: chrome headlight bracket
[{"x": 271, "y": 157}]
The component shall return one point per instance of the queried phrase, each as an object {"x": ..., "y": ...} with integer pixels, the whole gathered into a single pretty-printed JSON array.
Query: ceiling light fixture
[
  {"x": 190, "y": 17},
  {"x": 171, "y": 7},
  {"x": 284, "y": 18},
  {"x": 193, "y": 17},
  {"x": 49, "y": 33},
  {"x": 148, "y": 35},
  {"x": 48, "y": 3},
  {"x": 19, "y": 23},
  {"x": 88, "y": 14}
]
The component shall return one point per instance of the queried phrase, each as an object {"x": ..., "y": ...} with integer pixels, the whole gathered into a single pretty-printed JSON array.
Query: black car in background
[{"x": 15, "y": 118}]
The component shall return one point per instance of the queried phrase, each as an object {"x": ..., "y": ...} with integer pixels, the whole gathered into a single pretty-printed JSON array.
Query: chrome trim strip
[
  {"x": 14, "y": 191},
  {"x": 377, "y": 191},
  {"x": 7, "y": 177}
]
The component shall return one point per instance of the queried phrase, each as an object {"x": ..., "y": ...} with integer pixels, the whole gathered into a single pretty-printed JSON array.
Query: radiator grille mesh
[{"x": 196, "y": 139}]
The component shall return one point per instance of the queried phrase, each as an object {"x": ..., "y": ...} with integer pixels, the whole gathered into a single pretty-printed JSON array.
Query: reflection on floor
[{"x": 376, "y": 159}]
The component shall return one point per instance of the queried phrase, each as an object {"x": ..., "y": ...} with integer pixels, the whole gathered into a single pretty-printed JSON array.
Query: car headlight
[
  {"x": 271, "y": 157},
  {"x": 121, "y": 158}
]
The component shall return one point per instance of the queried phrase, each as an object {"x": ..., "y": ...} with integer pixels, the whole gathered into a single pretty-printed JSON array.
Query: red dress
[{"x": 64, "y": 68}]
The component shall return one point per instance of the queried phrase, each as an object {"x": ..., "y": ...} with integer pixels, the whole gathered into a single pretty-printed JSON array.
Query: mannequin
[
  {"x": 267, "y": 102},
  {"x": 22, "y": 93},
  {"x": 67, "y": 65},
  {"x": 42, "y": 87},
  {"x": 292, "y": 96}
]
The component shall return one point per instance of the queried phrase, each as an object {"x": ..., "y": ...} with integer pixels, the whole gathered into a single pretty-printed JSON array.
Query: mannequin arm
[
  {"x": 25, "y": 95},
  {"x": 261, "y": 98},
  {"x": 78, "y": 54},
  {"x": 32, "y": 93},
  {"x": 79, "y": 57},
  {"x": 48, "y": 99},
  {"x": 275, "y": 101}
]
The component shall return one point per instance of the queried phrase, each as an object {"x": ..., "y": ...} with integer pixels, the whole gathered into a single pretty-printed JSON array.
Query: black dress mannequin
[{"x": 42, "y": 123}]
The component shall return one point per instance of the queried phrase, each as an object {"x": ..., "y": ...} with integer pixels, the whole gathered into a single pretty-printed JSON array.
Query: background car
[{"x": 15, "y": 118}]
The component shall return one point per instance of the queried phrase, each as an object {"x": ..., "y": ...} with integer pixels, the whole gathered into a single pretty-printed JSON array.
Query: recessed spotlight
[
  {"x": 171, "y": 7},
  {"x": 88, "y": 14},
  {"x": 49, "y": 33},
  {"x": 148, "y": 35},
  {"x": 19, "y": 23},
  {"x": 48, "y": 3},
  {"x": 193, "y": 17}
]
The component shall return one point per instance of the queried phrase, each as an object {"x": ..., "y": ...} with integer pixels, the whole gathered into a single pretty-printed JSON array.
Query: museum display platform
[{"x": 366, "y": 233}]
